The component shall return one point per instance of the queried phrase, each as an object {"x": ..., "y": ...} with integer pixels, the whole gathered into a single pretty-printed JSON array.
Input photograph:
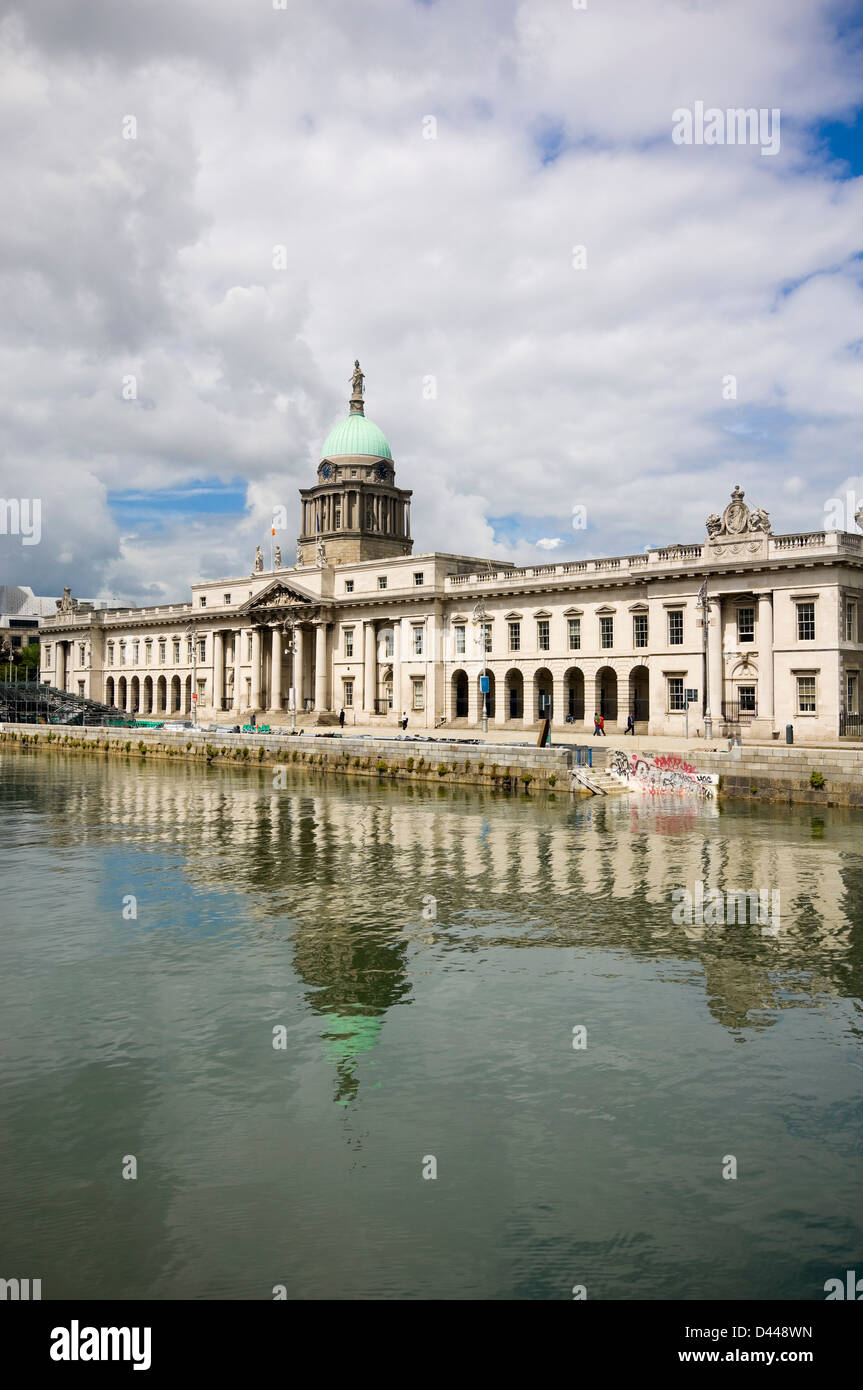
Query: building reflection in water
[{"x": 344, "y": 869}]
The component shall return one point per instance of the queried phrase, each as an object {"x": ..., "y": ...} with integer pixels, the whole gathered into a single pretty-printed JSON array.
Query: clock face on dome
[
  {"x": 326, "y": 470},
  {"x": 381, "y": 472}
]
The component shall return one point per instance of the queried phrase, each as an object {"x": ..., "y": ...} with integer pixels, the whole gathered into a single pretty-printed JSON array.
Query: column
[
  {"x": 321, "y": 666},
  {"x": 398, "y": 695},
  {"x": 299, "y": 657},
  {"x": 238, "y": 659},
  {"x": 715, "y": 660},
  {"x": 218, "y": 669},
  {"x": 370, "y": 674},
  {"x": 256, "y": 668},
  {"x": 765, "y": 657},
  {"x": 276, "y": 672},
  {"x": 60, "y": 664}
]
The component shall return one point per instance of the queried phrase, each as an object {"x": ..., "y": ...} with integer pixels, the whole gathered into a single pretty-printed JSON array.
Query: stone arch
[
  {"x": 147, "y": 692},
  {"x": 514, "y": 694},
  {"x": 639, "y": 694},
  {"x": 606, "y": 694},
  {"x": 459, "y": 695},
  {"x": 543, "y": 685},
  {"x": 109, "y": 691},
  {"x": 121, "y": 693},
  {"x": 176, "y": 693},
  {"x": 162, "y": 695},
  {"x": 573, "y": 695},
  {"x": 187, "y": 695},
  {"x": 136, "y": 695}
]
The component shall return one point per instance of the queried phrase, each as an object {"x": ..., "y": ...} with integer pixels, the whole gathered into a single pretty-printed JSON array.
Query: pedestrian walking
[
  {"x": 630, "y": 724},
  {"x": 602, "y": 725},
  {"x": 597, "y": 727},
  {"x": 404, "y": 720},
  {"x": 341, "y": 719}
]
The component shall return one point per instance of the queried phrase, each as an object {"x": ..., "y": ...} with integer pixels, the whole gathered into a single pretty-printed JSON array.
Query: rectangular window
[
  {"x": 337, "y": 518},
  {"x": 203, "y": 600},
  {"x": 853, "y": 695},
  {"x": 639, "y": 630},
  {"x": 202, "y": 692},
  {"x": 349, "y": 586},
  {"x": 419, "y": 577},
  {"x": 176, "y": 652},
  {"x": 81, "y": 688},
  {"x": 122, "y": 653},
  {"x": 459, "y": 639},
  {"x": 81, "y": 651},
  {"x": 574, "y": 633},
  {"x": 389, "y": 644},
  {"x": 382, "y": 581},
  {"x": 675, "y": 694},
  {"x": 606, "y": 632},
  {"x": 485, "y": 637},
  {"x": 418, "y": 641},
  {"x": 349, "y": 694},
  {"x": 419, "y": 700},
  {"x": 163, "y": 651},
  {"x": 543, "y": 635},
  {"x": 110, "y": 654},
  {"x": 746, "y": 624},
  {"x": 805, "y": 694},
  {"x": 675, "y": 627},
  {"x": 805, "y": 623},
  {"x": 746, "y": 697},
  {"x": 349, "y": 641},
  {"x": 851, "y": 622},
  {"x": 514, "y": 630},
  {"x": 226, "y": 599},
  {"x": 202, "y": 649},
  {"x": 136, "y": 648},
  {"x": 148, "y": 651}
]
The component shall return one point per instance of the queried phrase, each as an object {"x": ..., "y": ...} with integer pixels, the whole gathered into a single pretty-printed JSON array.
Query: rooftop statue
[{"x": 738, "y": 520}]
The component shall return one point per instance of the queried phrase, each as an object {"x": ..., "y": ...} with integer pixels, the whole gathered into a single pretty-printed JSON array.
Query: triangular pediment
[{"x": 278, "y": 594}]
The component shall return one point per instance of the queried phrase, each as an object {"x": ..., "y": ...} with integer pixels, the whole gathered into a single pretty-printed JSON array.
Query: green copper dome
[{"x": 356, "y": 435}]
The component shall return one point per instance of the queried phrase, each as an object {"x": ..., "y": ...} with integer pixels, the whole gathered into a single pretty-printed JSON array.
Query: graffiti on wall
[{"x": 667, "y": 773}]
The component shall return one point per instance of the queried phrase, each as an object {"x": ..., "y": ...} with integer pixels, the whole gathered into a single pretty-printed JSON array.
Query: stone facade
[{"x": 363, "y": 625}]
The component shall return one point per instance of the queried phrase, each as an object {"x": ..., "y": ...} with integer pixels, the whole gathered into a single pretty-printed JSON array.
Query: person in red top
[{"x": 602, "y": 725}]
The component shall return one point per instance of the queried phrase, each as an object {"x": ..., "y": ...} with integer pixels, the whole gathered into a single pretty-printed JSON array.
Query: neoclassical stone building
[{"x": 360, "y": 623}]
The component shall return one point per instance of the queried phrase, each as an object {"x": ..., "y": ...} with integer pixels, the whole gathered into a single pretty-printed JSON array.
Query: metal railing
[{"x": 735, "y": 711}]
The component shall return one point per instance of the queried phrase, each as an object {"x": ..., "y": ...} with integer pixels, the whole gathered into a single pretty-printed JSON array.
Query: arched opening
[
  {"x": 109, "y": 691},
  {"x": 542, "y": 686},
  {"x": 573, "y": 694},
  {"x": 606, "y": 693},
  {"x": 162, "y": 695},
  {"x": 121, "y": 693},
  {"x": 136, "y": 694},
  {"x": 489, "y": 697},
  {"x": 639, "y": 694},
  {"x": 459, "y": 695},
  {"x": 514, "y": 682},
  {"x": 176, "y": 689},
  {"x": 187, "y": 698},
  {"x": 148, "y": 694}
]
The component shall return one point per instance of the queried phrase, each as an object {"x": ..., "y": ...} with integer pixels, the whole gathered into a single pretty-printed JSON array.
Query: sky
[{"x": 578, "y": 334}]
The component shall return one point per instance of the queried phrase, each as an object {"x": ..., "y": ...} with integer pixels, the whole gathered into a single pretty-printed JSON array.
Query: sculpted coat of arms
[{"x": 737, "y": 519}]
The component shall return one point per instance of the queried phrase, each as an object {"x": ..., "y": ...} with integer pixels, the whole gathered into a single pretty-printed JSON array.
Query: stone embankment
[
  {"x": 819, "y": 776},
  {"x": 509, "y": 767}
]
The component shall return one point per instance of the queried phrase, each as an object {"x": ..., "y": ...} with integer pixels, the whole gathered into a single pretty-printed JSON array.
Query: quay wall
[{"x": 507, "y": 766}]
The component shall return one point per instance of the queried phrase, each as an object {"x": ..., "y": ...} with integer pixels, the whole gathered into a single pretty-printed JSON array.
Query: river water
[{"x": 364, "y": 1041}]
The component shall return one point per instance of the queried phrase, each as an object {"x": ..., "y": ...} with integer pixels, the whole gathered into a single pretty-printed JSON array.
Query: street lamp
[
  {"x": 289, "y": 628},
  {"x": 190, "y": 634},
  {"x": 705, "y": 619},
  {"x": 479, "y": 617}
]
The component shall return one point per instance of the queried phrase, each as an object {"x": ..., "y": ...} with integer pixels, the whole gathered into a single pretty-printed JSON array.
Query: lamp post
[
  {"x": 479, "y": 617},
  {"x": 190, "y": 634},
  {"x": 705, "y": 619},
  {"x": 289, "y": 628}
]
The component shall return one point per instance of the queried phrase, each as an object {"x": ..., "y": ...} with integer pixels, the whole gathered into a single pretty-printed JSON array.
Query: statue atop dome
[{"x": 357, "y": 384}]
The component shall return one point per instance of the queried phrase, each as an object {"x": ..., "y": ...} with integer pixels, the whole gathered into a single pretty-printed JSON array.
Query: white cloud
[
  {"x": 449, "y": 258},
  {"x": 549, "y": 543}
]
